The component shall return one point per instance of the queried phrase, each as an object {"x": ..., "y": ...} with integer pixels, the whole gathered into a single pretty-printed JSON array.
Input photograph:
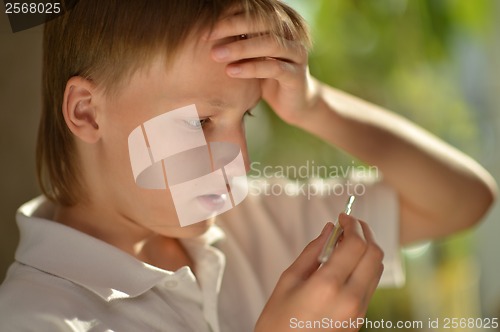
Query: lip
[{"x": 213, "y": 202}]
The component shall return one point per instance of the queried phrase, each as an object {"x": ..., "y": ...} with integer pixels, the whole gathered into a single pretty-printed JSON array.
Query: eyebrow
[{"x": 220, "y": 105}]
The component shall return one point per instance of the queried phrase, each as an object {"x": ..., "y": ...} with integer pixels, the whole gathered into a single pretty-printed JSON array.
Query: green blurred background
[{"x": 437, "y": 62}]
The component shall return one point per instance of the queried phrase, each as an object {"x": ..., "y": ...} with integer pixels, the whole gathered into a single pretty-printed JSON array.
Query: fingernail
[
  {"x": 344, "y": 215},
  {"x": 234, "y": 70},
  {"x": 221, "y": 53}
]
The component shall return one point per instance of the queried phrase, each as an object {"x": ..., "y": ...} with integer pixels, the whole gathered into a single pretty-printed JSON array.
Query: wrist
[
  {"x": 328, "y": 117},
  {"x": 312, "y": 104}
]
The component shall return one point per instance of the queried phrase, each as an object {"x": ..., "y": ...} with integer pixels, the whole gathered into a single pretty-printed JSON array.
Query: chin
[
  {"x": 197, "y": 229},
  {"x": 190, "y": 231}
]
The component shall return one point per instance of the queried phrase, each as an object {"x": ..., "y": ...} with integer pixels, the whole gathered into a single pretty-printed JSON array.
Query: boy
[{"x": 106, "y": 254}]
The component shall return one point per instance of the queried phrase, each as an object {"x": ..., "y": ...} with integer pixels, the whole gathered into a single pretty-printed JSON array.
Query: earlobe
[{"x": 80, "y": 110}]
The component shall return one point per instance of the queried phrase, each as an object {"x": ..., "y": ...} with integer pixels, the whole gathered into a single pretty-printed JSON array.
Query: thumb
[{"x": 307, "y": 262}]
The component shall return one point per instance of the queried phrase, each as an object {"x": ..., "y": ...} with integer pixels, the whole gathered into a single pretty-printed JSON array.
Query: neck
[{"x": 125, "y": 234}]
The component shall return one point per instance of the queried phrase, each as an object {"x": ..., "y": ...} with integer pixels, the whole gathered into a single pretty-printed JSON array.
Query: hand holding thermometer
[{"x": 335, "y": 234}]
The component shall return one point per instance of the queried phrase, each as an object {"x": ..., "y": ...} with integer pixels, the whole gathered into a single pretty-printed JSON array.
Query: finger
[
  {"x": 372, "y": 287},
  {"x": 371, "y": 261},
  {"x": 361, "y": 297},
  {"x": 265, "y": 68},
  {"x": 260, "y": 47},
  {"x": 307, "y": 262},
  {"x": 347, "y": 254},
  {"x": 367, "y": 231},
  {"x": 365, "y": 278},
  {"x": 235, "y": 25}
]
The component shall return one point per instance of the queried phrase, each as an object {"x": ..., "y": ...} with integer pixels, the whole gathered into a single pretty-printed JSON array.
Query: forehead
[{"x": 192, "y": 77}]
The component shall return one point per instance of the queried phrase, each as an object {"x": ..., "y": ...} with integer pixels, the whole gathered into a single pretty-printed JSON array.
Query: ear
[{"x": 79, "y": 109}]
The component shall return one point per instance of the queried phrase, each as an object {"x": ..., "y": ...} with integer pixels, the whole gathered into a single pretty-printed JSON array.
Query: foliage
[{"x": 405, "y": 55}]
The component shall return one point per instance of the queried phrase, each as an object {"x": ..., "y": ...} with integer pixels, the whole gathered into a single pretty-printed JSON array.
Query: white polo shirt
[{"x": 65, "y": 280}]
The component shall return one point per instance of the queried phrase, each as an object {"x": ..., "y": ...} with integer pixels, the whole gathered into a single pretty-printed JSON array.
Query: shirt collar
[{"x": 84, "y": 260}]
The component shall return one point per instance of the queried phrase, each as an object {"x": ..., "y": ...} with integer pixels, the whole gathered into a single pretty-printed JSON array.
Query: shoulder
[{"x": 33, "y": 300}]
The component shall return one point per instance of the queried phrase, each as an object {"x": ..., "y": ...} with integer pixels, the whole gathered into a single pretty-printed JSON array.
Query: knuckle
[
  {"x": 286, "y": 278},
  {"x": 287, "y": 274},
  {"x": 287, "y": 67},
  {"x": 381, "y": 270},
  {"x": 364, "y": 224},
  {"x": 277, "y": 68},
  {"x": 236, "y": 49},
  {"x": 376, "y": 251},
  {"x": 357, "y": 243},
  {"x": 310, "y": 246},
  {"x": 331, "y": 289},
  {"x": 352, "y": 304},
  {"x": 251, "y": 67},
  {"x": 329, "y": 285}
]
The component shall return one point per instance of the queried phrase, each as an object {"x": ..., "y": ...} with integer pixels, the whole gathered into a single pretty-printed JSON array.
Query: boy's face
[{"x": 192, "y": 78}]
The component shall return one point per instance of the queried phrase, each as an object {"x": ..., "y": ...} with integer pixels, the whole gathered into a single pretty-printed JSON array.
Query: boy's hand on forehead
[{"x": 280, "y": 63}]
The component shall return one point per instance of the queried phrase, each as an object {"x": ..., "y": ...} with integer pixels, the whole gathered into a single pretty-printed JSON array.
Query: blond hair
[{"x": 106, "y": 42}]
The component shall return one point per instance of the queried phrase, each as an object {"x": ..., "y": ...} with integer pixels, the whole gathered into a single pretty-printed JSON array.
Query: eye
[
  {"x": 249, "y": 113},
  {"x": 195, "y": 123}
]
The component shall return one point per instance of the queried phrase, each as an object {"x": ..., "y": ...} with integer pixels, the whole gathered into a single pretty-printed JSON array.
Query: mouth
[{"x": 213, "y": 202}]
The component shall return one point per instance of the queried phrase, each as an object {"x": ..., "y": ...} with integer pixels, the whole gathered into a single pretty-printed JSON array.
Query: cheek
[
  {"x": 147, "y": 207},
  {"x": 153, "y": 208},
  {"x": 144, "y": 206}
]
